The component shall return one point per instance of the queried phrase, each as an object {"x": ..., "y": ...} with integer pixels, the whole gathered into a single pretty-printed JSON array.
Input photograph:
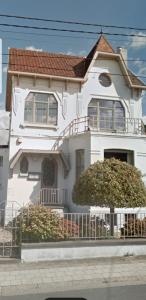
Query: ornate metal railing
[
  {"x": 92, "y": 123},
  {"x": 52, "y": 196}
]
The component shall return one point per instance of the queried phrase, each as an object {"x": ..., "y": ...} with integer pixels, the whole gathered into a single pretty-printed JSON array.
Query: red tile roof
[
  {"x": 52, "y": 64},
  {"x": 46, "y": 63}
]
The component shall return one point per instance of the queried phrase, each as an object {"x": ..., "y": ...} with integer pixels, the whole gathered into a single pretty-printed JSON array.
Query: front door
[
  {"x": 118, "y": 155},
  {"x": 49, "y": 181}
]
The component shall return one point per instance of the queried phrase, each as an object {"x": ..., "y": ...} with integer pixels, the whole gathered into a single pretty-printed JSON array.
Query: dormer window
[{"x": 41, "y": 108}]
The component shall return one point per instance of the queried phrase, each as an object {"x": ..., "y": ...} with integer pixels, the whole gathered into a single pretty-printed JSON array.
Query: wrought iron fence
[
  {"x": 81, "y": 226},
  {"x": 34, "y": 224},
  {"x": 10, "y": 233},
  {"x": 105, "y": 225}
]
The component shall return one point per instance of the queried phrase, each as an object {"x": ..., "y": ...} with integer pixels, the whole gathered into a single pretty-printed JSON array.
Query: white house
[
  {"x": 66, "y": 113},
  {"x": 4, "y": 156}
]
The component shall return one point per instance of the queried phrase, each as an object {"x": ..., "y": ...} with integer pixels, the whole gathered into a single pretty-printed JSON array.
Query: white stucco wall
[
  {"x": 72, "y": 103},
  {"x": 22, "y": 190},
  {"x": 4, "y": 152}
]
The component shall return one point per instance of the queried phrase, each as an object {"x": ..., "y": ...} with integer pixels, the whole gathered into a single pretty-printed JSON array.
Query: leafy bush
[
  {"x": 105, "y": 184},
  {"x": 134, "y": 228},
  {"x": 40, "y": 224}
]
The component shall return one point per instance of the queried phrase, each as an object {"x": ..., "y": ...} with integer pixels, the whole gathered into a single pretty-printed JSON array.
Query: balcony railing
[
  {"x": 92, "y": 123},
  {"x": 52, "y": 196},
  {"x": 120, "y": 125}
]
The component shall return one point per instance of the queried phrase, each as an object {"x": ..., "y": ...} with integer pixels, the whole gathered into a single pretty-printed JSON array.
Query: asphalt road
[{"x": 137, "y": 292}]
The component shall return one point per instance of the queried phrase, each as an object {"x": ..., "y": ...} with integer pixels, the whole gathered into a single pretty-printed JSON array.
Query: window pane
[
  {"x": 28, "y": 113},
  {"x": 92, "y": 111},
  {"x": 41, "y": 112},
  {"x": 24, "y": 165},
  {"x": 118, "y": 104},
  {"x": 52, "y": 110},
  {"x": 52, "y": 100},
  {"x": 119, "y": 116},
  {"x": 106, "y": 103},
  {"x": 40, "y": 97},
  {"x": 106, "y": 118}
]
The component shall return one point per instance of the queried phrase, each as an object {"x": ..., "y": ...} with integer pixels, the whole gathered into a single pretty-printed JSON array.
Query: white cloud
[
  {"x": 32, "y": 48},
  {"x": 141, "y": 67},
  {"x": 83, "y": 52},
  {"x": 142, "y": 71},
  {"x": 80, "y": 53},
  {"x": 5, "y": 69},
  {"x": 138, "y": 41},
  {"x": 70, "y": 52}
]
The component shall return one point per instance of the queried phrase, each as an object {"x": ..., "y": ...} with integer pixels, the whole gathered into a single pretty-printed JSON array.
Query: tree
[{"x": 110, "y": 183}]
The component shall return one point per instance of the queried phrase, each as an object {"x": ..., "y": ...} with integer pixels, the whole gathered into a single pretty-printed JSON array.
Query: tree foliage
[{"x": 110, "y": 183}]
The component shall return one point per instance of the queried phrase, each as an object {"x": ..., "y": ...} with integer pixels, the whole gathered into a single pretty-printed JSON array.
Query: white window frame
[
  {"x": 96, "y": 119},
  {"x": 37, "y": 124}
]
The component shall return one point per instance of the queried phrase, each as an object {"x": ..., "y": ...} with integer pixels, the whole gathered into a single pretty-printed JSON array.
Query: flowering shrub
[
  {"x": 41, "y": 224},
  {"x": 134, "y": 228},
  {"x": 71, "y": 229}
]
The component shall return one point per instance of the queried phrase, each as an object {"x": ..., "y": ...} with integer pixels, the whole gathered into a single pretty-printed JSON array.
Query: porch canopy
[{"x": 59, "y": 153}]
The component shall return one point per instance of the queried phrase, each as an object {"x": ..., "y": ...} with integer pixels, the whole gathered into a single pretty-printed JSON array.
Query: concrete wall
[
  {"x": 4, "y": 152},
  {"x": 79, "y": 250}
]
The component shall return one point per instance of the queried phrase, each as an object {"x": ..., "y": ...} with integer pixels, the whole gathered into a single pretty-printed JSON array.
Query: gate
[{"x": 10, "y": 233}]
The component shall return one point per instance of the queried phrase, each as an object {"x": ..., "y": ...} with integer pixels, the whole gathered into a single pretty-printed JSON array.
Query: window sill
[
  {"x": 23, "y": 175},
  {"x": 40, "y": 126}
]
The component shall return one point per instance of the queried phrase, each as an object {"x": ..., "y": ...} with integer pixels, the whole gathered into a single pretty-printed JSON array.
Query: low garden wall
[{"x": 54, "y": 251}]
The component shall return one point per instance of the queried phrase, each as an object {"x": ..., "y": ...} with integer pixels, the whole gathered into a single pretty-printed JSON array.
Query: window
[
  {"x": 79, "y": 162},
  {"x": 24, "y": 165},
  {"x": 105, "y": 79},
  {"x": 106, "y": 115},
  {"x": 1, "y": 161},
  {"x": 41, "y": 109}
]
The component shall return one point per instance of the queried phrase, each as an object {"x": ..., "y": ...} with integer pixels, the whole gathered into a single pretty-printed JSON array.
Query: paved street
[
  {"x": 113, "y": 293},
  {"x": 23, "y": 279}
]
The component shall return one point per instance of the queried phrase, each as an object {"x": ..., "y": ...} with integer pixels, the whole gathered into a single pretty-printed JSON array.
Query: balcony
[
  {"x": 120, "y": 125},
  {"x": 108, "y": 125},
  {"x": 53, "y": 197}
]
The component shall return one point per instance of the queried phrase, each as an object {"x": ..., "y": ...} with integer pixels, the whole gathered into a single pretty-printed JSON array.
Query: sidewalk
[{"x": 17, "y": 278}]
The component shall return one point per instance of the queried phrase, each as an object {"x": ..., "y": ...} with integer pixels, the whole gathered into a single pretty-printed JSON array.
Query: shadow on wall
[{"x": 35, "y": 195}]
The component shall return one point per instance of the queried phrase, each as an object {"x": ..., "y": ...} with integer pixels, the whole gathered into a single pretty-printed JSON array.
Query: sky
[{"x": 131, "y": 13}]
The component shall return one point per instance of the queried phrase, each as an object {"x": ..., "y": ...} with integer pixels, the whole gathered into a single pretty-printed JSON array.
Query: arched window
[
  {"x": 106, "y": 115},
  {"x": 49, "y": 172},
  {"x": 41, "y": 108},
  {"x": 24, "y": 165}
]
